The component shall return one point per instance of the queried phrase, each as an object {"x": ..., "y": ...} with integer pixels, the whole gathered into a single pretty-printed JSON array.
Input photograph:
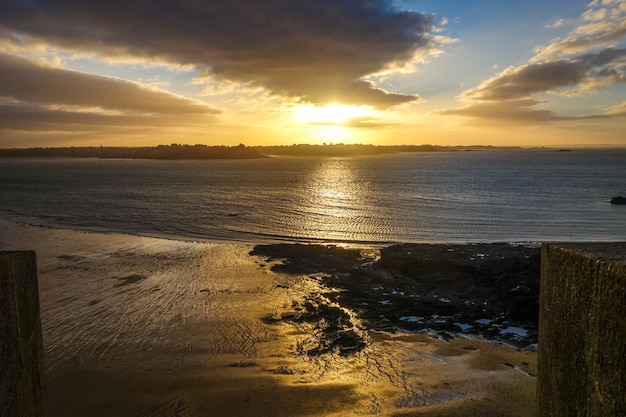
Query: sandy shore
[{"x": 139, "y": 326}]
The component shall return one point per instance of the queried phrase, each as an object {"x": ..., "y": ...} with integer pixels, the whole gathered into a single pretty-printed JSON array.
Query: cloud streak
[
  {"x": 24, "y": 80},
  {"x": 517, "y": 112},
  {"x": 39, "y": 98},
  {"x": 311, "y": 50}
]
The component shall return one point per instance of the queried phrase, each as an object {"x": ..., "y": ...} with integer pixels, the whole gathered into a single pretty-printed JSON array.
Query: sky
[{"x": 279, "y": 72}]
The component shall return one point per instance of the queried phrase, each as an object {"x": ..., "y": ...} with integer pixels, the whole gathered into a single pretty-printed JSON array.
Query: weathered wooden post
[{"x": 21, "y": 346}]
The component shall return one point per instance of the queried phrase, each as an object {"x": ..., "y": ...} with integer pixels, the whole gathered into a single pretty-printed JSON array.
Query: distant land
[
  {"x": 350, "y": 150},
  {"x": 179, "y": 151},
  {"x": 168, "y": 152}
]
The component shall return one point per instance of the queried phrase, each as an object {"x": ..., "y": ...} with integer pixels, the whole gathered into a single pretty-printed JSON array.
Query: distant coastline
[
  {"x": 165, "y": 152},
  {"x": 341, "y": 149},
  {"x": 183, "y": 152}
]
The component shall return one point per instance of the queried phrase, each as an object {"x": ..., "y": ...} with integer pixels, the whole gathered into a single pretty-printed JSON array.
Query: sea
[{"x": 503, "y": 195}]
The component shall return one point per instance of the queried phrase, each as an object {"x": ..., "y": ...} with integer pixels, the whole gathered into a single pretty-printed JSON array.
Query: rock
[
  {"x": 618, "y": 200},
  {"x": 476, "y": 289}
]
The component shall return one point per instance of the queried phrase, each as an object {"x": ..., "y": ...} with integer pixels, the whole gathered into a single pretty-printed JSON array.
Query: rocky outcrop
[
  {"x": 491, "y": 290},
  {"x": 618, "y": 200}
]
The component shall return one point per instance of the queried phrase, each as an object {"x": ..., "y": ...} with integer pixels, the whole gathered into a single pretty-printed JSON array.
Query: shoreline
[
  {"x": 264, "y": 240},
  {"x": 305, "y": 258},
  {"x": 138, "y": 326}
]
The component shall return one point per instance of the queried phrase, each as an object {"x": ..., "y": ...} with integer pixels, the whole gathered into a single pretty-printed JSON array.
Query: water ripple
[{"x": 515, "y": 195}]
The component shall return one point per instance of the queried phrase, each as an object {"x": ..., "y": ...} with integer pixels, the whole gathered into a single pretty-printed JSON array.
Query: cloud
[
  {"x": 600, "y": 26},
  {"x": 556, "y": 24},
  {"x": 588, "y": 71},
  {"x": 594, "y": 15},
  {"x": 523, "y": 81},
  {"x": 35, "y": 97},
  {"x": 589, "y": 36},
  {"x": 521, "y": 112},
  {"x": 616, "y": 111},
  {"x": 584, "y": 62},
  {"x": 315, "y": 51},
  {"x": 525, "y": 112},
  {"x": 24, "y": 80},
  {"x": 34, "y": 118}
]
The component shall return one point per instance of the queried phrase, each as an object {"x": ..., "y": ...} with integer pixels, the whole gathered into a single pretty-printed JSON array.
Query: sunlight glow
[
  {"x": 331, "y": 134},
  {"x": 332, "y": 114}
]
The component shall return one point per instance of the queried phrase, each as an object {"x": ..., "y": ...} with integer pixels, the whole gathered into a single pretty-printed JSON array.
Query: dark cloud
[
  {"x": 314, "y": 50},
  {"x": 34, "y": 118},
  {"x": 509, "y": 96},
  {"x": 23, "y": 80},
  {"x": 509, "y": 112},
  {"x": 36, "y": 98},
  {"x": 529, "y": 79},
  {"x": 526, "y": 80},
  {"x": 525, "y": 112}
]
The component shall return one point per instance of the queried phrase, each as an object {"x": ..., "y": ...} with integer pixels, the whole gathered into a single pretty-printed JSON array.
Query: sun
[
  {"x": 331, "y": 114},
  {"x": 333, "y": 123}
]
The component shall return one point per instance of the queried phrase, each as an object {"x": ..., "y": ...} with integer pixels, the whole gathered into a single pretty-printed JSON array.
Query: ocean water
[{"x": 491, "y": 196}]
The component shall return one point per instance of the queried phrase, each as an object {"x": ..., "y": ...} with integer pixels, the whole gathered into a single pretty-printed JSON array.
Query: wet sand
[{"x": 138, "y": 326}]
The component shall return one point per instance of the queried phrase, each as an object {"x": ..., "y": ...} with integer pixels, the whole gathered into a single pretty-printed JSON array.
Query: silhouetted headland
[
  {"x": 200, "y": 151},
  {"x": 341, "y": 149},
  {"x": 166, "y": 152}
]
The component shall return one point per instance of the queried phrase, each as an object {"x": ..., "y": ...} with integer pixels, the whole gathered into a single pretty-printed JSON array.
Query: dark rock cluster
[
  {"x": 618, "y": 200},
  {"x": 490, "y": 290}
]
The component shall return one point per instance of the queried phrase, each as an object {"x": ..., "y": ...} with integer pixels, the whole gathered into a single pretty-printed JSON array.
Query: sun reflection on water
[{"x": 335, "y": 198}]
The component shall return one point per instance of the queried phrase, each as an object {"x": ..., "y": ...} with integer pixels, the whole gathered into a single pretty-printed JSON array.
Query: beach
[{"x": 140, "y": 326}]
